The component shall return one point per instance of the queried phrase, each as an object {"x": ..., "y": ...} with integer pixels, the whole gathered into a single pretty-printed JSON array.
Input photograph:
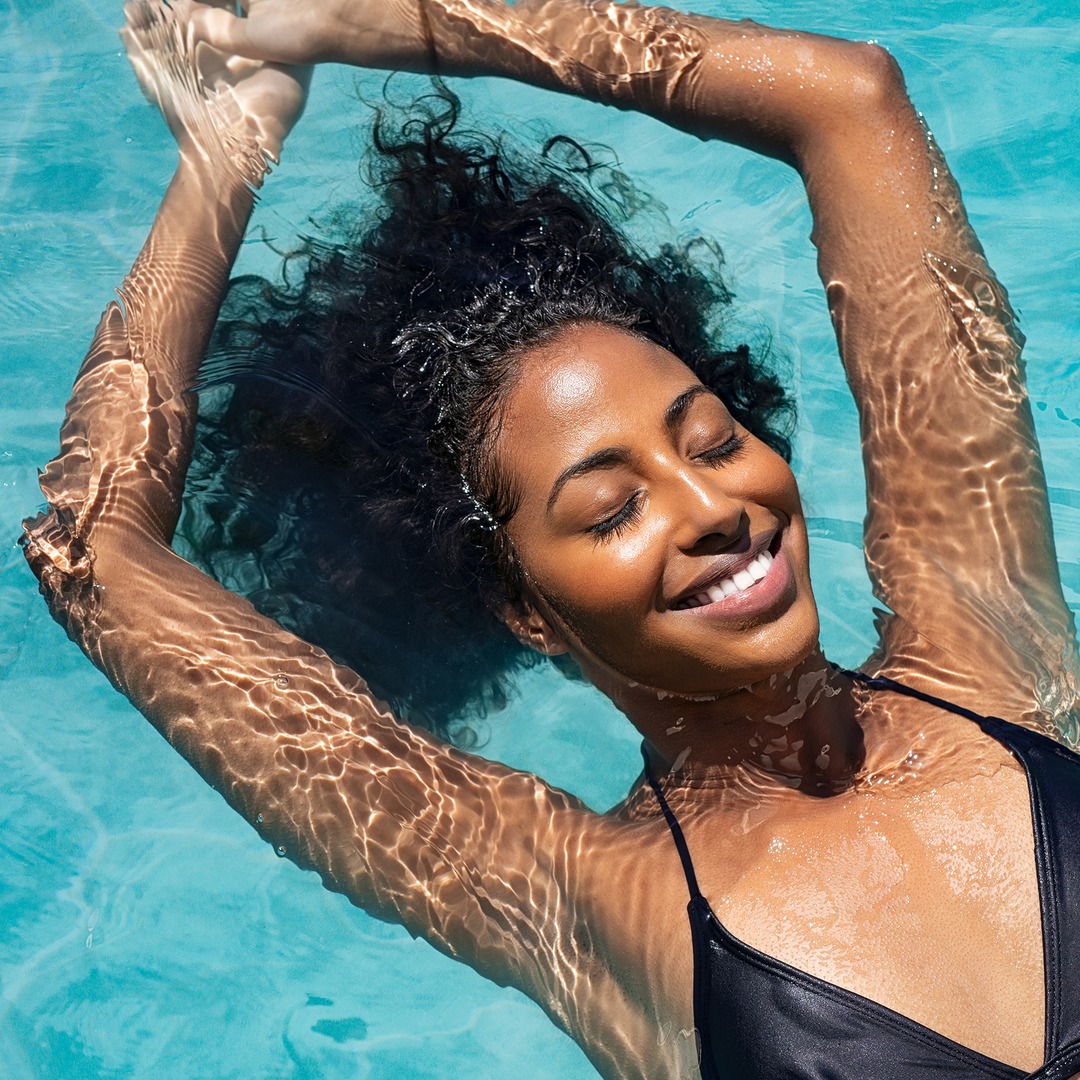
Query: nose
[{"x": 707, "y": 517}]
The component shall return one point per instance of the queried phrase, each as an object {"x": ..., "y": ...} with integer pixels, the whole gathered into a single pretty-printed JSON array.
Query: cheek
[
  {"x": 766, "y": 481},
  {"x": 765, "y": 477},
  {"x": 603, "y": 579},
  {"x": 635, "y": 558}
]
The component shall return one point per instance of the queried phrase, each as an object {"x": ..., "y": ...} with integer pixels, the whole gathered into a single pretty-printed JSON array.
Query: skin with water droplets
[{"x": 859, "y": 836}]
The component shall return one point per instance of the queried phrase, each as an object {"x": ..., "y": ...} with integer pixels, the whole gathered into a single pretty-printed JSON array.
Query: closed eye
[
  {"x": 725, "y": 452},
  {"x": 630, "y": 511},
  {"x": 622, "y": 519}
]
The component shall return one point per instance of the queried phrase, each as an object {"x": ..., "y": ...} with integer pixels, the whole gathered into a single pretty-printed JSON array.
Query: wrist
[{"x": 207, "y": 185}]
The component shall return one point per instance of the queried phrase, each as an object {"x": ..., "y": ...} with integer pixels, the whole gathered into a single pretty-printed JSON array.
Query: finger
[
  {"x": 137, "y": 58},
  {"x": 143, "y": 25},
  {"x": 223, "y": 30}
]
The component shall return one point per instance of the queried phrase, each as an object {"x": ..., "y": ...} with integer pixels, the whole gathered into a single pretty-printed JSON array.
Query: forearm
[
  {"x": 836, "y": 110},
  {"x": 796, "y": 96},
  {"x": 776, "y": 91},
  {"x": 201, "y": 664},
  {"x": 172, "y": 295},
  {"x": 127, "y": 433}
]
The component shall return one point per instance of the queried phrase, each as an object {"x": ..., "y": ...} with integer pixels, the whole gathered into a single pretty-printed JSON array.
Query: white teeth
[{"x": 754, "y": 572}]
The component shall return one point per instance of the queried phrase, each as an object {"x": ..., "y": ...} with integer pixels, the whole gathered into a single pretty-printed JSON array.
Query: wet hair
[{"x": 343, "y": 477}]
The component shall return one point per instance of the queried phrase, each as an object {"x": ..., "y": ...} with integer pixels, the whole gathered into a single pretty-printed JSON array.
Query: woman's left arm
[{"x": 958, "y": 535}]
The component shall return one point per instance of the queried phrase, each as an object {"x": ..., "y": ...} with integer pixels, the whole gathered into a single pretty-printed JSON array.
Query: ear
[{"x": 532, "y": 629}]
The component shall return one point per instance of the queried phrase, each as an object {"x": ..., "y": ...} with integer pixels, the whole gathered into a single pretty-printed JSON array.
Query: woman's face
[{"x": 661, "y": 541}]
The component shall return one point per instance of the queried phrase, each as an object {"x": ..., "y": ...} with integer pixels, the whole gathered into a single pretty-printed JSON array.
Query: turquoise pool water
[{"x": 146, "y": 931}]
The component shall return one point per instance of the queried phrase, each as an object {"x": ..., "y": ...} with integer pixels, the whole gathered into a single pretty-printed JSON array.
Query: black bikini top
[{"x": 760, "y": 1019}]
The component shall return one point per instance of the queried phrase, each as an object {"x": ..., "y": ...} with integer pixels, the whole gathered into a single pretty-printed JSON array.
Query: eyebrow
[
  {"x": 611, "y": 456},
  {"x": 602, "y": 459},
  {"x": 677, "y": 409}
]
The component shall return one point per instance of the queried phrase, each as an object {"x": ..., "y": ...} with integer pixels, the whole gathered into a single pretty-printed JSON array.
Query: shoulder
[{"x": 995, "y": 676}]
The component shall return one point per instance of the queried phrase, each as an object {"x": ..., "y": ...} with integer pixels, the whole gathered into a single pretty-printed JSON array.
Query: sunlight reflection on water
[{"x": 148, "y": 930}]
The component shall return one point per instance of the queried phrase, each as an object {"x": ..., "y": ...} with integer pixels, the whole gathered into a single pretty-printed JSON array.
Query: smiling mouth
[
  {"x": 752, "y": 584},
  {"x": 741, "y": 581}
]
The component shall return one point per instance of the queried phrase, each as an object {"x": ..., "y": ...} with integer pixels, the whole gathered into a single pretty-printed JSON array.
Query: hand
[
  {"x": 226, "y": 108},
  {"x": 370, "y": 33}
]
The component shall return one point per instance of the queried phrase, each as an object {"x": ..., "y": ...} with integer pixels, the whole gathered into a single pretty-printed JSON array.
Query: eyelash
[
  {"x": 631, "y": 510},
  {"x": 620, "y": 520},
  {"x": 725, "y": 452}
]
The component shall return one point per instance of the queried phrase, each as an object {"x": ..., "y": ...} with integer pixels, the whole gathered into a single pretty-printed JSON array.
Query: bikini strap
[
  {"x": 676, "y": 831},
  {"x": 883, "y": 682},
  {"x": 875, "y": 682}
]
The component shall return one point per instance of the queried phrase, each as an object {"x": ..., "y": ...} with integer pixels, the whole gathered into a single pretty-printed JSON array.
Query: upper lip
[{"x": 725, "y": 566}]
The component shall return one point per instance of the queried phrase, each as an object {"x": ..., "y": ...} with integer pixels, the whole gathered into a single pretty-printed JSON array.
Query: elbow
[
  {"x": 874, "y": 79},
  {"x": 862, "y": 94}
]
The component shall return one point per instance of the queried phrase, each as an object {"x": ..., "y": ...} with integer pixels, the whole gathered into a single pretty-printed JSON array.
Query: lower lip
[{"x": 776, "y": 589}]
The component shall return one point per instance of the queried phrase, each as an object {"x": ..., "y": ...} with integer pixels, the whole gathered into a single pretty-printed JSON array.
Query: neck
[{"x": 797, "y": 727}]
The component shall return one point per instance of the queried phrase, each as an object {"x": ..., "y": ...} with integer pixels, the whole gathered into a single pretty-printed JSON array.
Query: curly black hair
[{"x": 343, "y": 477}]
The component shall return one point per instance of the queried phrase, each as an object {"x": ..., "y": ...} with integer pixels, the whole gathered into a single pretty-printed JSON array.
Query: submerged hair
[{"x": 344, "y": 479}]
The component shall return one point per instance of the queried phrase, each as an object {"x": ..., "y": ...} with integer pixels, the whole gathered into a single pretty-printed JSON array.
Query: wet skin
[
  {"x": 635, "y": 485},
  {"x": 637, "y": 491},
  {"x": 915, "y": 884},
  {"x": 674, "y": 501}
]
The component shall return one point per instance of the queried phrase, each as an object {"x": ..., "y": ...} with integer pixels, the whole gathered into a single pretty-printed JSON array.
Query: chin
[
  {"x": 708, "y": 682},
  {"x": 774, "y": 649},
  {"x": 708, "y": 661}
]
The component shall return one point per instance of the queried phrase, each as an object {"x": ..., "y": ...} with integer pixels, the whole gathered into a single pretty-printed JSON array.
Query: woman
[{"x": 663, "y": 548}]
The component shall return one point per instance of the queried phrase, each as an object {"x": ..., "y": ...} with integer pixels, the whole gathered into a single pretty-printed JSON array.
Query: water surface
[{"x": 148, "y": 932}]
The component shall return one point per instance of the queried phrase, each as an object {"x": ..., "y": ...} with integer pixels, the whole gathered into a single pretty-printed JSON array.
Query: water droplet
[
  {"x": 281, "y": 682},
  {"x": 280, "y": 851},
  {"x": 258, "y": 819}
]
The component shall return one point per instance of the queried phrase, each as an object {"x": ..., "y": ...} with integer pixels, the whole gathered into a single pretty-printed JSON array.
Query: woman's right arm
[
  {"x": 469, "y": 854},
  {"x": 958, "y": 535}
]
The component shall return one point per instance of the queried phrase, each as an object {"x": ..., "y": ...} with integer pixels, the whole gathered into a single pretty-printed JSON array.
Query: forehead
[
  {"x": 588, "y": 379},
  {"x": 590, "y": 388}
]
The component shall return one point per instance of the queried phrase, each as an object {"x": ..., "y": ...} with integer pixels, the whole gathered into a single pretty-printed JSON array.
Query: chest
[
  {"x": 905, "y": 900},
  {"x": 925, "y": 901}
]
